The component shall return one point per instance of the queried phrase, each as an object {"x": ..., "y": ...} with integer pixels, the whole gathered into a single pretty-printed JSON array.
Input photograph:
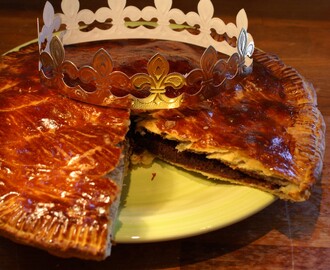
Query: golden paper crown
[{"x": 129, "y": 23}]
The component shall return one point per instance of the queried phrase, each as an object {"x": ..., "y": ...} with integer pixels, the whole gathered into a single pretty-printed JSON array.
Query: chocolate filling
[{"x": 166, "y": 150}]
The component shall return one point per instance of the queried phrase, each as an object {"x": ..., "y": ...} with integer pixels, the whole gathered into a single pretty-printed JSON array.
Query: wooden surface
[{"x": 282, "y": 236}]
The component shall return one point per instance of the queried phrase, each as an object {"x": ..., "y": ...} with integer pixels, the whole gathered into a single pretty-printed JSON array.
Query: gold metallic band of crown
[{"x": 55, "y": 69}]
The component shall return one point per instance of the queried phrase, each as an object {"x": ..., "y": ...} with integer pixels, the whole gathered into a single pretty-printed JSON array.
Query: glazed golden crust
[
  {"x": 266, "y": 125},
  {"x": 12, "y": 64},
  {"x": 308, "y": 128},
  {"x": 62, "y": 161},
  {"x": 61, "y": 167}
]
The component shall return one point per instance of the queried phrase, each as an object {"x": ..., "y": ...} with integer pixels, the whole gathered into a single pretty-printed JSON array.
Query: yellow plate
[{"x": 163, "y": 203}]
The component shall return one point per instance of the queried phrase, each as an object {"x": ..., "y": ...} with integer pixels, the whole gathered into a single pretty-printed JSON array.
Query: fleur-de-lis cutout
[
  {"x": 72, "y": 15},
  {"x": 106, "y": 78},
  {"x": 52, "y": 24},
  {"x": 98, "y": 72},
  {"x": 213, "y": 73},
  {"x": 158, "y": 79},
  {"x": 52, "y": 61},
  {"x": 95, "y": 83},
  {"x": 243, "y": 47},
  {"x": 99, "y": 77}
]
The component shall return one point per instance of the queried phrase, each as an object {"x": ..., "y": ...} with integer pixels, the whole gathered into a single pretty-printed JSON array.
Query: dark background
[{"x": 314, "y": 10}]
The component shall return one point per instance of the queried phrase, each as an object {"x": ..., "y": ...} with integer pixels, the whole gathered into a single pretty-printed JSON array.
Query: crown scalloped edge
[{"x": 52, "y": 46}]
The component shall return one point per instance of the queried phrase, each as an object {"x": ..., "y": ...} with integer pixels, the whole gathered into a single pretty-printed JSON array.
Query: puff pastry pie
[{"x": 62, "y": 161}]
